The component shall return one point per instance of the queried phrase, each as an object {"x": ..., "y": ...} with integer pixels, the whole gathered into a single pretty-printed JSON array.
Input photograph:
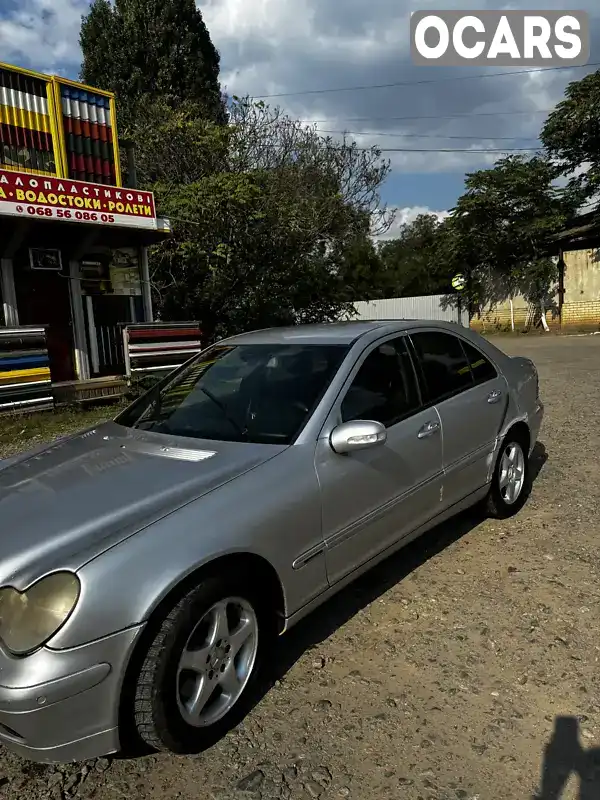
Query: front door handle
[
  {"x": 494, "y": 396},
  {"x": 428, "y": 430}
]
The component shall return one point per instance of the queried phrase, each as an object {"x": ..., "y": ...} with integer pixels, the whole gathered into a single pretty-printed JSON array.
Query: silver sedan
[{"x": 148, "y": 565}]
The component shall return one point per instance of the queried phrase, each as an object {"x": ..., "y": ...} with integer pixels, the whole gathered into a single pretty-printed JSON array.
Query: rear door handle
[
  {"x": 494, "y": 396},
  {"x": 428, "y": 430}
]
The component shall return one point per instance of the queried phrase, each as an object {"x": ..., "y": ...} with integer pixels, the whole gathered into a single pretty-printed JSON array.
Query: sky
[{"x": 298, "y": 48}]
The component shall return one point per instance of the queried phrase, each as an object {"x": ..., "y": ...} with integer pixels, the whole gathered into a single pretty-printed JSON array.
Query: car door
[
  {"x": 373, "y": 497},
  {"x": 471, "y": 398}
]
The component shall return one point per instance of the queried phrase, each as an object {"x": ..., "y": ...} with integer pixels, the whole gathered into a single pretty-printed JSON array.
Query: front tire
[
  {"x": 511, "y": 479},
  {"x": 199, "y": 671}
]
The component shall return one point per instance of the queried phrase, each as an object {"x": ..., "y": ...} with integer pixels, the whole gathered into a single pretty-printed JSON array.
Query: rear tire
[
  {"x": 200, "y": 670},
  {"x": 511, "y": 483}
]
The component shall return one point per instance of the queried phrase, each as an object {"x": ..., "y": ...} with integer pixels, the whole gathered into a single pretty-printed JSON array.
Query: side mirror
[{"x": 357, "y": 435}]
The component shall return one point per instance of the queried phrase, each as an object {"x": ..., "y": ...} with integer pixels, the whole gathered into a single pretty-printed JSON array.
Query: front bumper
[{"x": 63, "y": 705}]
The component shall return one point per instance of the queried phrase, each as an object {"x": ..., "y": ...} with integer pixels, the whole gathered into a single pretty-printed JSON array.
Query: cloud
[
  {"x": 42, "y": 34},
  {"x": 283, "y": 46},
  {"x": 404, "y": 216}
]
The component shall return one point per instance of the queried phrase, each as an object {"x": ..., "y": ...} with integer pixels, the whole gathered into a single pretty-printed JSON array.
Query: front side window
[
  {"x": 384, "y": 389},
  {"x": 244, "y": 393},
  {"x": 445, "y": 367}
]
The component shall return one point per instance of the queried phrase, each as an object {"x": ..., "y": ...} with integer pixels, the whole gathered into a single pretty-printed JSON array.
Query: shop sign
[{"x": 35, "y": 197}]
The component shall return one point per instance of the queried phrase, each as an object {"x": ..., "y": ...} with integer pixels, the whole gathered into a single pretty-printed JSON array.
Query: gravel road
[{"x": 461, "y": 668}]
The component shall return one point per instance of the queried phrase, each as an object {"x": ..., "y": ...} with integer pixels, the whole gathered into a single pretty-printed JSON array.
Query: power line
[
  {"x": 426, "y": 135},
  {"x": 441, "y": 116},
  {"x": 423, "y": 82},
  {"x": 453, "y": 150},
  {"x": 424, "y": 150}
]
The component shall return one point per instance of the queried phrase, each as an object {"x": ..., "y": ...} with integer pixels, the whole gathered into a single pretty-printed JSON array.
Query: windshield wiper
[{"x": 242, "y": 432}]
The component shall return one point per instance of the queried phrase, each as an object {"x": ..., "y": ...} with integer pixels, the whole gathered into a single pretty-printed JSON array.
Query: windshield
[{"x": 242, "y": 393}]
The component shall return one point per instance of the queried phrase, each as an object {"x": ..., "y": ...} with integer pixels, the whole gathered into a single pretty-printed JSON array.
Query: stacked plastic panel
[
  {"x": 25, "y": 380},
  {"x": 155, "y": 347},
  {"x": 26, "y": 142},
  {"x": 88, "y": 136}
]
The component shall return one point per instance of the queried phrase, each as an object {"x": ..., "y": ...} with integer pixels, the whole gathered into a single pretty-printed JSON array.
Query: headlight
[{"x": 28, "y": 619}]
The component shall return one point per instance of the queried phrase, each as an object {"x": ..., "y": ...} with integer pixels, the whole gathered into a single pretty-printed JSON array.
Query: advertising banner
[{"x": 23, "y": 195}]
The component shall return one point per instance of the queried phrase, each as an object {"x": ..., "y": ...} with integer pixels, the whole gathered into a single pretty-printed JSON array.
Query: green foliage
[
  {"x": 149, "y": 50},
  {"x": 271, "y": 223},
  {"x": 176, "y": 146},
  {"x": 499, "y": 233},
  {"x": 499, "y": 230},
  {"x": 415, "y": 262},
  {"x": 571, "y": 136}
]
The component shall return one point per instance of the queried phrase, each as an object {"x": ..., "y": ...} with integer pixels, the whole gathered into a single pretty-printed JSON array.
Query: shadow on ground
[{"x": 564, "y": 756}]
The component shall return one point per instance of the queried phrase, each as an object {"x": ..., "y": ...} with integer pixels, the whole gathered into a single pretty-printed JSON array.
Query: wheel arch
[
  {"x": 520, "y": 430},
  {"x": 258, "y": 568},
  {"x": 517, "y": 428}
]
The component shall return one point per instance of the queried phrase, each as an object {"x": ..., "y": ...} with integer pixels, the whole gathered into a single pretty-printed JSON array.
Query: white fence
[{"x": 427, "y": 307}]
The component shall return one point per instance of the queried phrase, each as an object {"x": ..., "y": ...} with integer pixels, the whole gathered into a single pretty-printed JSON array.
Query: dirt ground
[{"x": 461, "y": 668}]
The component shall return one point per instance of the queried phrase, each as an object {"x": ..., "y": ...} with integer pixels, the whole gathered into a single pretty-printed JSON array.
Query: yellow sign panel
[
  {"x": 56, "y": 127},
  {"x": 459, "y": 282}
]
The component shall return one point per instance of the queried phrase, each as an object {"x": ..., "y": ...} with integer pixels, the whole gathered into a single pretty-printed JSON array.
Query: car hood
[{"x": 63, "y": 504}]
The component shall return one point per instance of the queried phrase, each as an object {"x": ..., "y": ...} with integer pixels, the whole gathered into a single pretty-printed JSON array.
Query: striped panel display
[
  {"x": 160, "y": 347},
  {"x": 25, "y": 128},
  {"x": 88, "y": 136},
  {"x": 25, "y": 380}
]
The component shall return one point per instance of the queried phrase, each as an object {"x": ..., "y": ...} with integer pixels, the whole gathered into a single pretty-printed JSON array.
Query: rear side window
[
  {"x": 482, "y": 369},
  {"x": 445, "y": 368}
]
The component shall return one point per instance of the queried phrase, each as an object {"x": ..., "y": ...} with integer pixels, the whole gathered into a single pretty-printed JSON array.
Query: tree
[
  {"x": 177, "y": 146},
  {"x": 272, "y": 223},
  {"x": 498, "y": 232},
  {"x": 365, "y": 275},
  {"x": 414, "y": 262},
  {"x": 571, "y": 135},
  {"x": 146, "y": 50},
  {"x": 268, "y": 138}
]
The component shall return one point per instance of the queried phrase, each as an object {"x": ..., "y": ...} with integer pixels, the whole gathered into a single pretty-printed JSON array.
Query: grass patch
[{"x": 20, "y": 432}]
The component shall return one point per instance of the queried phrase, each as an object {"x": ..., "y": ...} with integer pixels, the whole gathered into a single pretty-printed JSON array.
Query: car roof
[{"x": 342, "y": 333}]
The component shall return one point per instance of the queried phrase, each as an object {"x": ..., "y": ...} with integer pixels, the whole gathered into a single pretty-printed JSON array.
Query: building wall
[
  {"x": 581, "y": 306},
  {"x": 581, "y": 300}
]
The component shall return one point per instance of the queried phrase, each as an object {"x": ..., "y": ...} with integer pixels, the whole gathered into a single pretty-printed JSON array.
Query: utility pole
[{"x": 129, "y": 148}]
